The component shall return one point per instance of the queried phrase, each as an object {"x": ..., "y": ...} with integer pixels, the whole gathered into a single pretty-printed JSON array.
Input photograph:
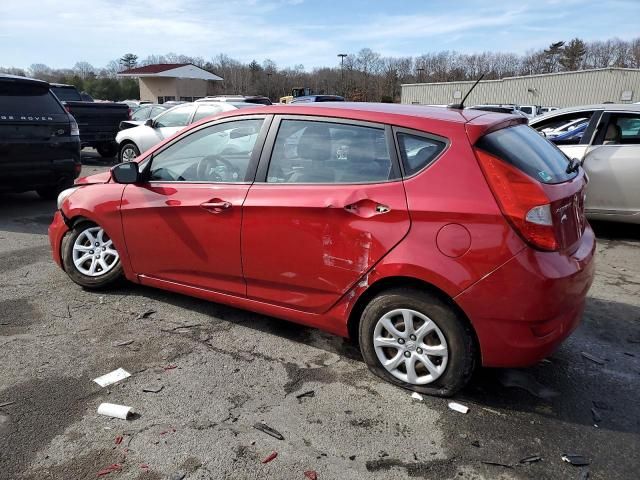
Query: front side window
[
  {"x": 622, "y": 129},
  {"x": 219, "y": 153},
  {"x": 176, "y": 117},
  {"x": 322, "y": 152},
  {"x": 417, "y": 152}
]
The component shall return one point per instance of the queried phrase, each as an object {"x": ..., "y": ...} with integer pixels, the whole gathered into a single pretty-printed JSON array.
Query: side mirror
[
  {"x": 126, "y": 172},
  {"x": 149, "y": 122}
]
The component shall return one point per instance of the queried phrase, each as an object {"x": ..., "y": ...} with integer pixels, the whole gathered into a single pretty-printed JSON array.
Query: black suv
[{"x": 39, "y": 140}]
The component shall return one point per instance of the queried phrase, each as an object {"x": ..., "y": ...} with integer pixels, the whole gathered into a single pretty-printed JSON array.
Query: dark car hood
[{"x": 102, "y": 177}]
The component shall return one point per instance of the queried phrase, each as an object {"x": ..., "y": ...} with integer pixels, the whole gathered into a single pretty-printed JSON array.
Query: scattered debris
[
  {"x": 352, "y": 457},
  {"x": 115, "y": 411},
  {"x": 269, "y": 457},
  {"x": 597, "y": 418},
  {"x": 593, "y": 358},
  {"x": 153, "y": 388},
  {"x": 115, "y": 467},
  {"x": 584, "y": 474},
  {"x": 309, "y": 394},
  {"x": 417, "y": 396},
  {"x": 119, "y": 439},
  {"x": 146, "y": 314},
  {"x": 171, "y": 430},
  {"x": 531, "y": 459},
  {"x": 170, "y": 367},
  {"x": 494, "y": 411},
  {"x": 179, "y": 327},
  {"x": 101, "y": 300},
  {"x": 123, "y": 344},
  {"x": 6, "y": 404},
  {"x": 268, "y": 430},
  {"x": 497, "y": 464},
  {"x": 525, "y": 381},
  {"x": 575, "y": 459},
  {"x": 311, "y": 474},
  {"x": 476, "y": 443},
  {"x": 458, "y": 407},
  {"x": 177, "y": 476},
  {"x": 546, "y": 361},
  {"x": 112, "y": 377},
  {"x": 144, "y": 466}
]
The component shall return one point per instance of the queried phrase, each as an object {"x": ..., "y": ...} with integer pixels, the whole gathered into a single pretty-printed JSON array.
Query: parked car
[
  {"x": 438, "y": 239},
  {"x": 237, "y": 99},
  {"x": 317, "y": 98},
  {"x": 608, "y": 147},
  {"x": 142, "y": 114},
  {"x": 39, "y": 140},
  {"x": 561, "y": 127},
  {"x": 500, "y": 108},
  {"x": 98, "y": 121},
  {"x": 543, "y": 110},
  {"x": 132, "y": 141}
]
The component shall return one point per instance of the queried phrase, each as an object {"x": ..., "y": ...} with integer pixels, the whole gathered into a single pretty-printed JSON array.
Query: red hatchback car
[{"x": 439, "y": 239}]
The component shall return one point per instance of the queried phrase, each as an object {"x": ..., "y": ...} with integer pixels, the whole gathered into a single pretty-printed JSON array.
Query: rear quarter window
[
  {"x": 528, "y": 151},
  {"x": 24, "y": 99},
  {"x": 417, "y": 152}
]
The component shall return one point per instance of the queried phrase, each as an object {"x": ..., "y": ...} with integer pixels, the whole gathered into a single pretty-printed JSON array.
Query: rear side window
[
  {"x": 528, "y": 151},
  {"x": 418, "y": 152},
  {"x": 20, "y": 98}
]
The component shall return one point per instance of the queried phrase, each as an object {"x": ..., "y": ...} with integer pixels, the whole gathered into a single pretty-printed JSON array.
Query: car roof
[
  {"x": 18, "y": 78},
  {"x": 614, "y": 107},
  {"x": 62, "y": 85},
  {"x": 437, "y": 120}
]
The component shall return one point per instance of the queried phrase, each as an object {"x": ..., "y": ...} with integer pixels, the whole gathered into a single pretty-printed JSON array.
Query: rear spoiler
[{"x": 483, "y": 124}]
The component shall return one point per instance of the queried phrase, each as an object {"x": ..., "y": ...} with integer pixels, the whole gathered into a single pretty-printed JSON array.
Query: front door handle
[{"x": 216, "y": 206}]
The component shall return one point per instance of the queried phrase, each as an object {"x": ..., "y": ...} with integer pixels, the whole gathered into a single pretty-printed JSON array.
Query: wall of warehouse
[{"x": 567, "y": 89}]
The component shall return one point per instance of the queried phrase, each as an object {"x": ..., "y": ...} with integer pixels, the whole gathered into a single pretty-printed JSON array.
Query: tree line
[{"x": 362, "y": 76}]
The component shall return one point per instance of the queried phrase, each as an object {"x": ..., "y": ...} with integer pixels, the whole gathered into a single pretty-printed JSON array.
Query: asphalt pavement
[{"x": 214, "y": 372}]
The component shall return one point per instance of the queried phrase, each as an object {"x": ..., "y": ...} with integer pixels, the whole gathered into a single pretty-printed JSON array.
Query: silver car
[
  {"x": 607, "y": 142},
  {"x": 133, "y": 141}
]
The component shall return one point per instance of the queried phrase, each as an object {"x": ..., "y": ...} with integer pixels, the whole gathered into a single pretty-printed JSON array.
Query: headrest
[{"x": 315, "y": 143}]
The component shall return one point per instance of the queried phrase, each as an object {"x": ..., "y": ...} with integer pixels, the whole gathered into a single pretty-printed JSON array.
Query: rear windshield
[
  {"x": 527, "y": 150},
  {"x": 67, "y": 94},
  {"x": 21, "y": 98}
]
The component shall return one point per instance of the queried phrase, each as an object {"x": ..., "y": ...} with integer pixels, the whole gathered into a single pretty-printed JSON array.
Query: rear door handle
[{"x": 366, "y": 208}]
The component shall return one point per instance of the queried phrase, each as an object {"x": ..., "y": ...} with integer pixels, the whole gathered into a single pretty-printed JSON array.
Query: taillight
[
  {"x": 75, "y": 131},
  {"x": 522, "y": 201},
  {"x": 129, "y": 113},
  {"x": 67, "y": 108}
]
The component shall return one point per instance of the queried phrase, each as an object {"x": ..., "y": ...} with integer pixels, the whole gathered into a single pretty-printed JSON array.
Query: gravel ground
[{"x": 222, "y": 370}]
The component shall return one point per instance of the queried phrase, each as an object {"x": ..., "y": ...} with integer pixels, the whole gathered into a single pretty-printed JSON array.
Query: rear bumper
[
  {"x": 20, "y": 176},
  {"x": 538, "y": 300},
  {"x": 57, "y": 230}
]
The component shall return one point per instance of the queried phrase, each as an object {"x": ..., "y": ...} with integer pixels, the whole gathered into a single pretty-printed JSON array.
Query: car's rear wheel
[
  {"x": 415, "y": 340},
  {"x": 89, "y": 256},
  {"x": 128, "y": 152},
  {"x": 107, "y": 149}
]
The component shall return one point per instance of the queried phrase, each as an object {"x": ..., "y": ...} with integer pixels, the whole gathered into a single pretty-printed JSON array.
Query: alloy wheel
[
  {"x": 93, "y": 252},
  {"x": 410, "y": 346}
]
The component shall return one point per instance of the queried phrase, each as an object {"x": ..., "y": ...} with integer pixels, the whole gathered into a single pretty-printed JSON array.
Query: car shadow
[
  {"x": 25, "y": 213},
  {"x": 615, "y": 230},
  {"x": 565, "y": 386}
]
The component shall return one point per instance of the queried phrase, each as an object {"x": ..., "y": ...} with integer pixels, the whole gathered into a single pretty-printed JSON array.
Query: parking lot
[{"x": 217, "y": 371}]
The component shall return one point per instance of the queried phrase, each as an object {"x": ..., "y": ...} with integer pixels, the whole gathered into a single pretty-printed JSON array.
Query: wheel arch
[{"x": 389, "y": 283}]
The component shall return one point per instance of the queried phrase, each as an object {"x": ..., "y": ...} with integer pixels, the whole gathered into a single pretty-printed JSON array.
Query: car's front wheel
[
  {"x": 415, "y": 340},
  {"x": 89, "y": 256},
  {"x": 128, "y": 152}
]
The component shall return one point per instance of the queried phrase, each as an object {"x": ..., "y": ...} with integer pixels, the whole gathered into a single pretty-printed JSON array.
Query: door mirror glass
[
  {"x": 126, "y": 172},
  {"x": 149, "y": 122}
]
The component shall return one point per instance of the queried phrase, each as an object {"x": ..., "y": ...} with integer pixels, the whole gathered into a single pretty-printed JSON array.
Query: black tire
[
  {"x": 460, "y": 340},
  {"x": 125, "y": 146},
  {"x": 109, "y": 279},
  {"x": 107, "y": 150}
]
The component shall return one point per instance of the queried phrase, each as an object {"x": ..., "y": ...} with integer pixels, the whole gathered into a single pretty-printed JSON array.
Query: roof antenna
[{"x": 460, "y": 106}]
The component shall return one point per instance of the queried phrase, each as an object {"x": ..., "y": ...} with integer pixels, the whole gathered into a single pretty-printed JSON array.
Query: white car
[{"x": 133, "y": 141}]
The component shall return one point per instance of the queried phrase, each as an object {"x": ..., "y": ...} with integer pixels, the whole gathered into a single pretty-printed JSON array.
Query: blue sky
[{"x": 290, "y": 32}]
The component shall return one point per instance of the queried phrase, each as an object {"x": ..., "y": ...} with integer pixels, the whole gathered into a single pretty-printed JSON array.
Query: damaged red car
[{"x": 439, "y": 239}]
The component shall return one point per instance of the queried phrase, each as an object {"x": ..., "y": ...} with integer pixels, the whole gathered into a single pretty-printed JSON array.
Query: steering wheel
[{"x": 208, "y": 169}]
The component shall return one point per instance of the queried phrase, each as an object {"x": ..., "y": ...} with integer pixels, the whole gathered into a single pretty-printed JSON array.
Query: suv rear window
[
  {"x": 527, "y": 150},
  {"x": 66, "y": 94},
  {"x": 21, "y": 98}
]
